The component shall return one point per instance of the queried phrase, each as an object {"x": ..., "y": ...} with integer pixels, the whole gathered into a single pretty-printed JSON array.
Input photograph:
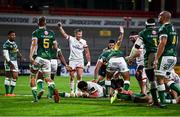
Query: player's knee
[{"x": 138, "y": 75}]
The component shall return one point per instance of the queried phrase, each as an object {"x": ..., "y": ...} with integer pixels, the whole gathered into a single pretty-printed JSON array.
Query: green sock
[
  {"x": 12, "y": 89},
  {"x": 107, "y": 87},
  {"x": 175, "y": 87},
  {"x": 51, "y": 90},
  {"x": 34, "y": 92},
  {"x": 7, "y": 89},
  {"x": 139, "y": 94},
  {"x": 62, "y": 94},
  {"x": 102, "y": 83},
  {"x": 12, "y": 86},
  {"x": 161, "y": 96},
  {"x": 126, "y": 87},
  {"x": 40, "y": 86},
  {"x": 154, "y": 95},
  {"x": 123, "y": 96},
  {"x": 7, "y": 85}
]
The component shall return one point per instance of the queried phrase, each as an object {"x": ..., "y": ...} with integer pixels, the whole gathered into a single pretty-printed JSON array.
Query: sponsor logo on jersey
[
  {"x": 154, "y": 32},
  {"x": 46, "y": 32}
]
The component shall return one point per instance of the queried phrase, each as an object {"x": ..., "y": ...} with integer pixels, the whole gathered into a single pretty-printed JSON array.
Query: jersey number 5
[{"x": 46, "y": 43}]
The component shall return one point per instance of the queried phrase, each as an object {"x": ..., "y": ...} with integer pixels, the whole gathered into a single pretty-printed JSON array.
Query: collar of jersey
[
  {"x": 42, "y": 27},
  {"x": 10, "y": 42}
]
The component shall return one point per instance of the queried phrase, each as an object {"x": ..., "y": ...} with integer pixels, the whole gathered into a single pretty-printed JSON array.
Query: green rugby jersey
[
  {"x": 107, "y": 54},
  {"x": 168, "y": 31},
  {"x": 45, "y": 39},
  {"x": 12, "y": 49},
  {"x": 104, "y": 55},
  {"x": 150, "y": 39}
]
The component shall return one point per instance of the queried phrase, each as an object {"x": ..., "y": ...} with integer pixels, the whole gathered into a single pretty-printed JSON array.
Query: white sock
[
  {"x": 77, "y": 86},
  {"x": 72, "y": 86}
]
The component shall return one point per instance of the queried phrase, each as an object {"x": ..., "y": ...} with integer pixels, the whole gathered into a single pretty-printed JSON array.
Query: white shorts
[
  {"x": 165, "y": 65},
  {"x": 117, "y": 64},
  {"x": 76, "y": 63},
  {"x": 44, "y": 65},
  {"x": 54, "y": 65},
  {"x": 7, "y": 66}
]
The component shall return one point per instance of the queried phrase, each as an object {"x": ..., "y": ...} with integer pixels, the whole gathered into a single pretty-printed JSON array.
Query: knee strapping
[
  {"x": 39, "y": 80},
  {"x": 161, "y": 87},
  {"x": 169, "y": 83},
  {"x": 6, "y": 81},
  {"x": 13, "y": 82},
  {"x": 127, "y": 82}
]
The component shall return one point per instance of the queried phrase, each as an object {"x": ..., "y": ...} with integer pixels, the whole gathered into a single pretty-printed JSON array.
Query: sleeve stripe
[
  {"x": 163, "y": 35},
  {"x": 34, "y": 38}
]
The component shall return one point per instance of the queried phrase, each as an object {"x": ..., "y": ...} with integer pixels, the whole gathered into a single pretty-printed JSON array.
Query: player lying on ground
[
  {"x": 120, "y": 93},
  {"x": 87, "y": 90}
]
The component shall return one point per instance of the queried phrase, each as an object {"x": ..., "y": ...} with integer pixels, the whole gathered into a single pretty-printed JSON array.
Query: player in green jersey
[
  {"x": 101, "y": 63},
  {"x": 148, "y": 37},
  {"x": 10, "y": 52},
  {"x": 56, "y": 55},
  {"x": 165, "y": 59},
  {"x": 43, "y": 41}
]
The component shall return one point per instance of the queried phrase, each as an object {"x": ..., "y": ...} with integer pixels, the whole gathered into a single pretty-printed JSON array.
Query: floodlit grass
[{"x": 21, "y": 104}]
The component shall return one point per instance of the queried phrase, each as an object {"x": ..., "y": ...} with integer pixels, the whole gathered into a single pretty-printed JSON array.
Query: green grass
[{"x": 22, "y": 106}]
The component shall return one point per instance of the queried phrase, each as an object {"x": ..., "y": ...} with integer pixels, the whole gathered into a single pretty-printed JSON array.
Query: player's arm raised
[
  {"x": 61, "y": 30},
  {"x": 120, "y": 38}
]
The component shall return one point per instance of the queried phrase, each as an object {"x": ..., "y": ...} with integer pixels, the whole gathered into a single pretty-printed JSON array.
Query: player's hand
[
  {"x": 32, "y": 61},
  {"x": 155, "y": 63},
  {"x": 94, "y": 81},
  {"x": 59, "y": 25},
  {"x": 68, "y": 68},
  {"x": 85, "y": 94},
  {"x": 121, "y": 29}
]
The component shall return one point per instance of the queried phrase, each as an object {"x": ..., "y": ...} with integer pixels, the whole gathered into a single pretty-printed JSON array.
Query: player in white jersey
[
  {"x": 76, "y": 59},
  {"x": 140, "y": 71},
  {"x": 90, "y": 89}
]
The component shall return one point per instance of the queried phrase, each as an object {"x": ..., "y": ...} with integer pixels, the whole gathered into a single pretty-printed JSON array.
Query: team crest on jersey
[
  {"x": 46, "y": 32},
  {"x": 154, "y": 32}
]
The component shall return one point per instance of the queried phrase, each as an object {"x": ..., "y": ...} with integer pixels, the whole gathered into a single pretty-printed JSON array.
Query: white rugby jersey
[
  {"x": 76, "y": 48},
  {"x": 140, "y": 59},
  {"x": 92, "y": 87}
]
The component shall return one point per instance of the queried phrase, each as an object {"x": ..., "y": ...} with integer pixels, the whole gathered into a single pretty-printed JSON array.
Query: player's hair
[
  {"x": 77, "y": 30},
  {"x": 167, "y": 15},
  {"x": 82, "y": 85},
  {"x": 11, "y": 31},
  {"x": 42, "y": 21},
  {"x": 111, "y": 41},
  {"x": 133, "y": 33}
]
